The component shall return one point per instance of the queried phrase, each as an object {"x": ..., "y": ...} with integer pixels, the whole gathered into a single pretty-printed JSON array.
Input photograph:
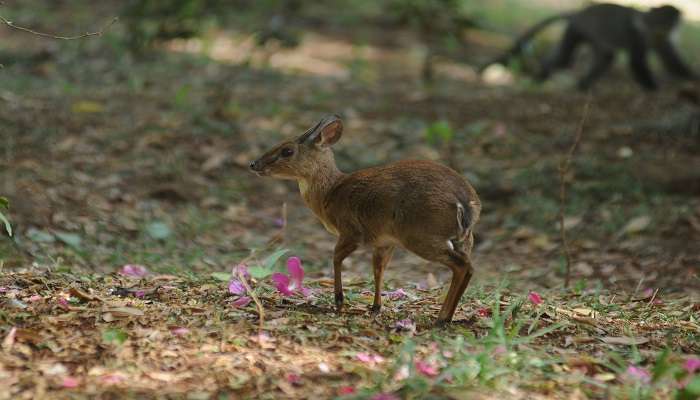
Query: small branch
[
  {"x": 249, "y": 290},
  {"x": 48, "y": 35},
  {"x": 564, "y": 166}
]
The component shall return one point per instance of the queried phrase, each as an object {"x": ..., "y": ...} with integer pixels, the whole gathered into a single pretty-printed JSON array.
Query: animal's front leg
[{"x": 343, "y": 248}]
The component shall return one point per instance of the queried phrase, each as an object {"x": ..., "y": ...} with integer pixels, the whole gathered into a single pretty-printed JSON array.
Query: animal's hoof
[{"x": 339, "y": 302}]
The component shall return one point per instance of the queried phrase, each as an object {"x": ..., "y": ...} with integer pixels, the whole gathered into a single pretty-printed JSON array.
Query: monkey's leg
[
  {"x": 562, "y": 56},
  {"x": 601, "y": 63},
  {"x": 672, "y": 61},
  {"x": 640, "y": 67}
]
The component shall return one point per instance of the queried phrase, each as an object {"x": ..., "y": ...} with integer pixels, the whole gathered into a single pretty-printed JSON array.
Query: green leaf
[
  {"x": 36, "y": 235},
  {"x": 71, "y": 239},
  {"x": 439, "y": 130},
  {"x": 691, "y": 390},
  {"x": 116, "y": 336},
  {"x": 221, "y": 276},
  {"x": 258, "y": 272},
  {"x": 6, "y": 222},
  {"x": 4, "y": 203},
  {"x": 158, "y": 230},
  {"x": 272, "y": 259}
]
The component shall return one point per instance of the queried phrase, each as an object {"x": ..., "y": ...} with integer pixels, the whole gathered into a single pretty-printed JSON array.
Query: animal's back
[
  {"x": 397, "y": 199},
  {"x": 608, "y": 24}
]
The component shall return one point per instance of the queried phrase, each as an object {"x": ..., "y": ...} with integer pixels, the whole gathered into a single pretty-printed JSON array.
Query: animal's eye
[{"x": 287, "y": 152}]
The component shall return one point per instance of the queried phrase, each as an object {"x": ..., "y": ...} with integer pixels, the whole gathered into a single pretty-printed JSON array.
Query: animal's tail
[{"x": 522, "y": 40}]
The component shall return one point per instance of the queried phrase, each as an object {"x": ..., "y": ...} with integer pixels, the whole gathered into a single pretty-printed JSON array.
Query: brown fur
[{"x": 422, "y": 206}]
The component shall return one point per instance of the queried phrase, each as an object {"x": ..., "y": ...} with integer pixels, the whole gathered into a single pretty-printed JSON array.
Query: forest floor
[{"x": 110, "y": 161}]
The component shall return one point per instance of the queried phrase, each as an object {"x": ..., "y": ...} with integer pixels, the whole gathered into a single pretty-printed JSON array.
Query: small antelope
[{"x": 425, "y": 207}]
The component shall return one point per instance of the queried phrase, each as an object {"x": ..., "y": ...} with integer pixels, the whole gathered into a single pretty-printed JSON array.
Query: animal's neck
[{"x": 316, "y": 186}]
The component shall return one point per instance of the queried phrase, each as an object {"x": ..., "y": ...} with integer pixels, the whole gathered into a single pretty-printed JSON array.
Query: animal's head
[
  {"x": 302, "y": 156},
  {"x": 662, "y": 21}
]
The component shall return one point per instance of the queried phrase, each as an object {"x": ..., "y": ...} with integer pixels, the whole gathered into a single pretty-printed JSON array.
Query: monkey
[{"x": 608, "y": 28}]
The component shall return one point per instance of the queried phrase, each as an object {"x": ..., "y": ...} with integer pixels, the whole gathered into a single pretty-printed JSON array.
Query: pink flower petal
[
  {"x": 294, "y": 379},
  {"x": 370, "y": 359},
  {"x": 180, "y": 331},
  {"x": 535, "y": 298},
  {"x": 397, "y": 294},
  {"x": 70, "y": 382},
  {"x": 236, "y": 287},
  {"x": 296, "y": 272},
  {"x": 282, "y": 283},
  {"x": 140, "y": 294},
  {"x": 428, "y": 369},
  {"x": 691, "y": 365},
  {"x": 639, "y": 374},
  {"x": 63, "y": 303},
  {"x": 242, "y": 301},
  {"x": 35, "y": 298},
  {"x": 134, "y": 271},
  {"x": 483, "y": 312},
  {"x": 346, "y": 390},
  {"x": 238, "y": 270},
  {"x": 406, "y": 325}
]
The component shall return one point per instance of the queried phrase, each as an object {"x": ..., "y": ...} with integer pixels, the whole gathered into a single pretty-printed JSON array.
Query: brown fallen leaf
[
  {"x": 122, "y": 312},
  {"x": 75, "y": 292},
  {"x": 624, "y": 340}
]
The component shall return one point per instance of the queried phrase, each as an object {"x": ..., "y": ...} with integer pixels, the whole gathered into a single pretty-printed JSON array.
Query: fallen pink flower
[
  {"x": 346, "y": 390},
  {"x": 397, "y": 294},
  {"x": 370, "y": 359},
  {"x": 70, "y": 382},
  {"x": 242, "y": 301},
  {"x": 63, "y": 303},
  {"x": 134, "y": 271},
  {"x": 428, "y": 369},
  {"x": 140, "y": 294},
  {"x": 406, "y": 325},
  {"x": 180, "y": 331},
  {"x": 639, "y": 374},
  {"x": 483, "y": 312},
  {"x": 289, "y": 285},
  {"x": 294, "y": 379},
  {"x": 385, "y": 396},
  {"x": 691, "y": 365},
  {"x": 648, "y": 292},
  {"x": 35, "y": 298},
  {"x": 498, "y": 350},
  {"x": 535, "y": 298},
  {"x": 236, "y": 287}
]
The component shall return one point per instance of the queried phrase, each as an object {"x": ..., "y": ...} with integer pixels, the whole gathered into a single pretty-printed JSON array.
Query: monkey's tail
[{"x": 523, "y": 40}]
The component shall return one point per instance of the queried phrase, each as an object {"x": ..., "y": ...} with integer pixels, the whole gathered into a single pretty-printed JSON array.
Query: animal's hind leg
[
  {"x": 563, "y": 56},
  {"x": 380, "y": 258},
  {"x": 601, "y": 63}
]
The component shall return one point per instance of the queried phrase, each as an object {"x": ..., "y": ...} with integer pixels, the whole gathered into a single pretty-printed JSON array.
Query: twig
[
  {"x": 564, "y": 166},
  {"x": 249, "y": 290},
  {"x": 48, "y": 35}
]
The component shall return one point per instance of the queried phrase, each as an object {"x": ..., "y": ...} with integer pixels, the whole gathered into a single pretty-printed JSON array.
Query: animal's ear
[{"x": 326, "y": 132}]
